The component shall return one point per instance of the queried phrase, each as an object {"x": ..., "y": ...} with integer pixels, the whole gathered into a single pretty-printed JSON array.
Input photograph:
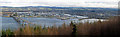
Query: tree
[
  {"x": 71, "y": 24},
  {"x": 74, "y": 28}
]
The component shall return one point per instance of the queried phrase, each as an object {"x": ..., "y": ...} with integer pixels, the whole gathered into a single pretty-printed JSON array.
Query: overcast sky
[{"x": 61, "y": 3}]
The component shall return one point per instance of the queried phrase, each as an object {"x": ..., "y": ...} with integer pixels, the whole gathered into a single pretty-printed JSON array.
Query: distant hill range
[{"x": 57, "y": 7}]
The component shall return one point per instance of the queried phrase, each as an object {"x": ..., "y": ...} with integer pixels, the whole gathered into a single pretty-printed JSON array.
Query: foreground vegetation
[{"x": 110, "y": 27}]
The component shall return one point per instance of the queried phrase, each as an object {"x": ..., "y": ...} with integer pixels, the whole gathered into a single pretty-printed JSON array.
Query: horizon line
[{"x": 57, "y": 6}]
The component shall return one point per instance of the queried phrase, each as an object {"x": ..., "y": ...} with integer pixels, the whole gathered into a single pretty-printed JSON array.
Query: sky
[{"x": 61, "y": 3}]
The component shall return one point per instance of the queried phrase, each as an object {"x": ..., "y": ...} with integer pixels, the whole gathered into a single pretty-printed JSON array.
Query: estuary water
[
  {"x": 10, "y": 23},
  {"x": 49, "y": 21}
]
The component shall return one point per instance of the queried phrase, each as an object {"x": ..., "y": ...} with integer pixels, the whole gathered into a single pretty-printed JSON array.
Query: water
[
  {"x": 9, "y": 23},
  {"x": 48, "y": 21},
  {"x": 58, "y": 22},
  {"x": 0, "y": 24},
  {"x": 91, "y": 20}
]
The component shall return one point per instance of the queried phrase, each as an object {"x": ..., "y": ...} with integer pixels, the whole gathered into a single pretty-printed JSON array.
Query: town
[{"x": 47, "y": 15}]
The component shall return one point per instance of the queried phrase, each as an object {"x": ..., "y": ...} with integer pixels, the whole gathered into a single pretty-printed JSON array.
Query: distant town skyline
[{"x": 61, "y": 3}]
